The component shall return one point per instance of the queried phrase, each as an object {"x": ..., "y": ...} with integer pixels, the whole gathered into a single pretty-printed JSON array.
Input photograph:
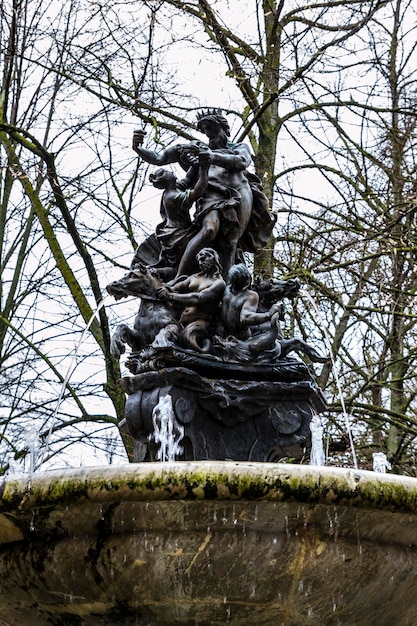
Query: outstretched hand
[
  {"x": 137, "y": 140},
  {"x": 163, "y": 293}
]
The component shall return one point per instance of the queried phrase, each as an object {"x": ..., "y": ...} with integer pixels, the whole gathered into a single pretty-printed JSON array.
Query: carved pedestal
[{"x": 262, "y": 413}]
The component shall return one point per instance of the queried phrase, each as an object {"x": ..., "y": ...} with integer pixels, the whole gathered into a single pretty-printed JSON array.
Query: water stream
[
  {"x": 335, "y": 374},
  {"x": 106, "y": 300},
  {"x": 32, "y": 442},
  {"x": 317, "y": 456},
  {"x": 166, "y": 431},
  {"x": 380, "y": 462}
]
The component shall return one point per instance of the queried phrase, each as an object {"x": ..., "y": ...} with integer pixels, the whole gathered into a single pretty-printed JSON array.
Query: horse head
[
  {"x": 272, "y": 290},
  {"x": 137, "y": 282}
]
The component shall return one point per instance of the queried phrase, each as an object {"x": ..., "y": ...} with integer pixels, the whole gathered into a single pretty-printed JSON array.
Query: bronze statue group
[{"x": 196, "y": 292}]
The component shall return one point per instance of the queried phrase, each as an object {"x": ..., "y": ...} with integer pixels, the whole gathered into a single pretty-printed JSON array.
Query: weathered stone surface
[{"x": 208, "y": 543}]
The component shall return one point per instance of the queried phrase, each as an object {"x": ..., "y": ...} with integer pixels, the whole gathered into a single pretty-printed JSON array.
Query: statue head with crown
[{"x": 215, "y": 126}]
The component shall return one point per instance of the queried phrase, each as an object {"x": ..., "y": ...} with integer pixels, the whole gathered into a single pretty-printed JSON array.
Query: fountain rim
[{"x": 209, "y": 480}]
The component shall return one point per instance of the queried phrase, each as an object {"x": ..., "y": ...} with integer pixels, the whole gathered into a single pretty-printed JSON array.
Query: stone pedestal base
[{"x": 240, "y": 420}]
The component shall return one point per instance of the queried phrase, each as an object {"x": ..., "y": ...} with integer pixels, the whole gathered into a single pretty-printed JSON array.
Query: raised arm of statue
[
  {"x": 184, "y": 154},
  {"x": 170, "y": 155},
  {"x": 202, "y": 181}
]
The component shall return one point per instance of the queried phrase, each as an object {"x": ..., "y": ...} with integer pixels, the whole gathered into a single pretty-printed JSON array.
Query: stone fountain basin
[{"x": 208, "y": 543}]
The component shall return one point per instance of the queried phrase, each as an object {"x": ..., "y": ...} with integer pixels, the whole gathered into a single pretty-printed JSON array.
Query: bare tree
[
  {"x": 63, "y": 188},
  {"x": 357, "y": 252}
]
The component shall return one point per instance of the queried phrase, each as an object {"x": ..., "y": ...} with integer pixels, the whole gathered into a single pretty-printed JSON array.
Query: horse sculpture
[{"x": 154, "y": 323}]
